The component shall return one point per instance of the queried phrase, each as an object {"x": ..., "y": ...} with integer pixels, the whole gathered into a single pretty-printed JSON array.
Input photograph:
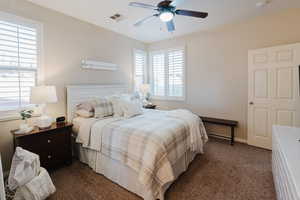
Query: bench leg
[{"x": 232, "y": 136}]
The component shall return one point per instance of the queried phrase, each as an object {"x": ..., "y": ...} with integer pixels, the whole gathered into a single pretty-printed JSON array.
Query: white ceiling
[{"x": 220, "y": 12}]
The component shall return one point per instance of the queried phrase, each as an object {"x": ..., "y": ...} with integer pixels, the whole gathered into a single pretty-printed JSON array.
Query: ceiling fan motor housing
[{"x": 164, "y": 6}]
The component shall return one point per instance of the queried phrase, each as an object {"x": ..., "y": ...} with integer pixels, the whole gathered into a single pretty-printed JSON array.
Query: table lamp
[
  {"x": 41, "y": 95},
  {"x": 145, "y": 89}
]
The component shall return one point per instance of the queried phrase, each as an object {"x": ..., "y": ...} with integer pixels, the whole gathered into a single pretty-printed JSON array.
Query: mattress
[{"x": 286, "y": 162}]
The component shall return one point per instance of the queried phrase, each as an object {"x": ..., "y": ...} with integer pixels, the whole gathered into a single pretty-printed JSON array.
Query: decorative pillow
[
  {"x": 131, "y": 108},
  {"x": 84, "y": 113},
  {"x": 104, "y": 108},
  {"x": 115, "y": 100},
  {"x": 87, "y": 105},
  {"x": 130, "y": 96}
]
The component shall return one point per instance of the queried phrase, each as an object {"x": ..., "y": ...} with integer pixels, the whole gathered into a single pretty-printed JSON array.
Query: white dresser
[
  {"x": 286, "y": 162},
  {"x": 2, "y": 192}
]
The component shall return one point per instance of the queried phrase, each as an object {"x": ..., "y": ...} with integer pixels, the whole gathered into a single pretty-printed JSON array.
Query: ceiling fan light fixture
[{"x": 166, "y": 16}]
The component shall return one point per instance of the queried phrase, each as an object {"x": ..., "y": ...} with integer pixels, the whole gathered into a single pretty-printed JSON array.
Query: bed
[{"x": 144, "y": 154}]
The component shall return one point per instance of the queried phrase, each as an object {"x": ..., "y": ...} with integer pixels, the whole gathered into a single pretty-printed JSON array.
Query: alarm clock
[{"x": 60, "y": 120}]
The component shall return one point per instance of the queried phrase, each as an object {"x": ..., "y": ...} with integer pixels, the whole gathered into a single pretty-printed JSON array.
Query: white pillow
[
  {"x": 130, "y": 96},
  {"x": 130, "y": 108},
  {"x": 84, "y": 113},
  {"x": 116, "y": 99}
]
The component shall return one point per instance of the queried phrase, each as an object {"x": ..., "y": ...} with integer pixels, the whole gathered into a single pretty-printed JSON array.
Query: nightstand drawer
[
  {"x": 53, "y": 158},
  {"x": 55, "y": 140},
  {"x": 44, "y": 142},
  {"x": 33, "y": 143},
  {"x": 52, "y": 145}
]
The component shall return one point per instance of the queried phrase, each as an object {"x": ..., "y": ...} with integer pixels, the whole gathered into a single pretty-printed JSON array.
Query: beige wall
[
  {"x": 66, "y": 42},
  {"x": 217, "y": 64},
  {"x": 216, "y": 60}
]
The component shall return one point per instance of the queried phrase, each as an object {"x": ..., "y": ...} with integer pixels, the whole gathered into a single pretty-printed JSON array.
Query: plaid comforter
[{"x": 149, "y": 144}]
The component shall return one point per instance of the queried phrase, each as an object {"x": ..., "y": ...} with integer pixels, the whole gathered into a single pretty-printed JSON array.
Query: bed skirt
[{"x": 125, "y": 176}]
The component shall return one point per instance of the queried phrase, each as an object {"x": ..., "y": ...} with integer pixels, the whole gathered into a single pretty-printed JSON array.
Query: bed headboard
[{"x": 79, "y": 93}]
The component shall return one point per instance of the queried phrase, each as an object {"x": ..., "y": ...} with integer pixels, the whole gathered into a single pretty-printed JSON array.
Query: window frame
[
  {"x": 166, "y": 61},
  {"x": 12, "y": 114},
  {"x": 145, "y": 74}
]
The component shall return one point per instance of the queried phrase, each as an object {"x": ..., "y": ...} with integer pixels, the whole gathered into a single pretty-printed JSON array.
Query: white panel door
[{"x": 273, "y": 91}]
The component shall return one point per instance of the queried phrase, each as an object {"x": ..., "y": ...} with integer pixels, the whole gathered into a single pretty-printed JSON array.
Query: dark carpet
[{"x": 224, "y": 172}]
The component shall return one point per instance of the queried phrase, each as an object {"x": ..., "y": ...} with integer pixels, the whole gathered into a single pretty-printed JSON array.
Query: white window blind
[
  {"x": 140, "y": 62},
  {"x": 18, "y": 64},
  {"x": 168, "y": 74},
  {"x": 158, "y": 67},
  {"x": 175, "y": 66}
]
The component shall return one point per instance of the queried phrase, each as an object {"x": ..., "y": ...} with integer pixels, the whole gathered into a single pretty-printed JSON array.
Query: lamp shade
[
  {"x": 43, "y": 94},
  {"x": 145, "y": 88}
]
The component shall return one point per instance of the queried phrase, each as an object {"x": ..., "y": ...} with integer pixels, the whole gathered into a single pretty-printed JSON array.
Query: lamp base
[
  {"x": 44, "y": 128},
  {"x": 147, "y": 103},
  {"x": 44, "y": 122}
]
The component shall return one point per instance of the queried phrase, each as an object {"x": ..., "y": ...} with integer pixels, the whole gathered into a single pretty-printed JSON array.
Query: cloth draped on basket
[{"x": 28, "y": 177}]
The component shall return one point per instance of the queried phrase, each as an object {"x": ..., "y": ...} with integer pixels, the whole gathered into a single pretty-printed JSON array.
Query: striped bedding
[{"x": 152, "y": 142}]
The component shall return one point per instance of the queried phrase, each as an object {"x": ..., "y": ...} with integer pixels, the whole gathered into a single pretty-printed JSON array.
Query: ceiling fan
[{"x": 166, "y": 12}]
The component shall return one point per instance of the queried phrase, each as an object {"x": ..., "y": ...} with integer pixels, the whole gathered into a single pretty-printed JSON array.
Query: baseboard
[{"x": 239, "y": 140}]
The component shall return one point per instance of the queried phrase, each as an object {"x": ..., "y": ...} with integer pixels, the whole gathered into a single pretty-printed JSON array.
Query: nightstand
[
  {"x": 150, "y": 107},
  {"x": 53, "y": 145}
]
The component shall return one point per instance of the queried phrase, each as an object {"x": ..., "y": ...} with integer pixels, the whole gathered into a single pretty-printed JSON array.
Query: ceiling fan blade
[
  {"x": 171, "y": 26},
  {"x": 175, "y": 3},
  {"x": 142, "y": 21},
  {"x": 191, "y": 13},
  {"x": 142, "y": 5}
]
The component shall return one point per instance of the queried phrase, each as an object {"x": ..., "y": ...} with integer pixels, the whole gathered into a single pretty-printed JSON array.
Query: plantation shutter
[
  {"x": 140, "y": 60},
  {"x": 158, "y": 70},
  {"x": 175, "y": 73},
  {"x": 18, "y": 64}
]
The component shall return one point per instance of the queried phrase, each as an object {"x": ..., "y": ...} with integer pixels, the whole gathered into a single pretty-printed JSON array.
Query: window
[
  {"x": 140, "y": 63},
  {"x": 19, "y": 61},
  {"x": 167, "y": 74},
  {"x": 158, "y": 66}
]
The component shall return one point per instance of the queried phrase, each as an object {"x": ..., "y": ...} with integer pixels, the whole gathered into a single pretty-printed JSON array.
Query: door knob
[{"x": 251, "y": 103}]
